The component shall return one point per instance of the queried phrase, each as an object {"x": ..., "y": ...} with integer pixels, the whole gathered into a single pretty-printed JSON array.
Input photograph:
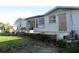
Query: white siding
[
  {"x": 69, "y": 21},
  {"x": 75, "y": 19},
  {"x": 53, "y": 28},
  {"x": 23, "y": 24}
]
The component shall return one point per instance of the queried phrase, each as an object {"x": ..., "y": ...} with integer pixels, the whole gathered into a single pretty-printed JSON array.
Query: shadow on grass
[{"x": 8, "y": 45}]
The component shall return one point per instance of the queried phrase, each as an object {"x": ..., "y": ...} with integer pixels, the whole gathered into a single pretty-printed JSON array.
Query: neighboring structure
[
  {"x": 60, "y": 21},
  {"x": 21, "y": 25}
]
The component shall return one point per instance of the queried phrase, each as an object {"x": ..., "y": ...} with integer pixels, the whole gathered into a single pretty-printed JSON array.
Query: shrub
[
  {"x": 67, "y": 47},
  {"x": 4, "y": 33},
  {"x": 61, "y": 43},
  {"x": 72, "y": 47}
]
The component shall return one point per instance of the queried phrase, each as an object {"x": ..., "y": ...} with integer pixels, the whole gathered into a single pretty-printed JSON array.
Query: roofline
[
  {"x": 34, "y": 17},
  {"x": 63, "y": 7},
  {"x": 54, "y": 9},
  {"x": 18, "y": 20}
]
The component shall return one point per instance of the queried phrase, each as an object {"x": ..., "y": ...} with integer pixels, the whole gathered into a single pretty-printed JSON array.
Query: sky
[
  {"x": 11, "y": 10},
  {"x": 9, "y": 14}
]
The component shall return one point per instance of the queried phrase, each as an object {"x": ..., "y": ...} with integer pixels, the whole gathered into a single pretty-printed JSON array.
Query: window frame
[
  {"x": 52, "y": 20},
  {"x": 38, "y": 24}
]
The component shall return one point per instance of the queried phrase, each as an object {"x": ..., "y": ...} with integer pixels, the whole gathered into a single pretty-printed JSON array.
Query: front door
[{"x": 62, "y": 22}]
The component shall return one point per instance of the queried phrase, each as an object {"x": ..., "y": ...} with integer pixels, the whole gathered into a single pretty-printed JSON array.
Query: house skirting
[{"x": 60, "y": 35}]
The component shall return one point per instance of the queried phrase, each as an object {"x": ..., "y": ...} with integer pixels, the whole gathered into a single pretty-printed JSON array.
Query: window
[
  {"x": 40, "y": 22},
  {"x": 52, "y": 19},
  {"x": 29, "y": 23}
]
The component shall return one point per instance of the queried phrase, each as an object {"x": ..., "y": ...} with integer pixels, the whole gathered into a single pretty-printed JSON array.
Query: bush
[
  {"x": 61, "y": 43},
  {"x": 72, "y": 47},
  {"x": 4, "y": 34},
  {"x": 68, "y": 47}
]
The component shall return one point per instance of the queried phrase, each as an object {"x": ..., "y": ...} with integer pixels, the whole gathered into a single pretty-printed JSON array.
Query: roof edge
[
  {"x": 34, "y": 17},
  {"x": 63, "y": 7}
]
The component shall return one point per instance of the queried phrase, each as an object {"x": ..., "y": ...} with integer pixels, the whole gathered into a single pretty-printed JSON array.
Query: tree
[{"x": 8, "y": 27}]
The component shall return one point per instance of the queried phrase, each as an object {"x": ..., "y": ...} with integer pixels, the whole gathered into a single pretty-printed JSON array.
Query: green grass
[
  {"x": 7, "y": 38},
  {"x": 6, "y": 42}
]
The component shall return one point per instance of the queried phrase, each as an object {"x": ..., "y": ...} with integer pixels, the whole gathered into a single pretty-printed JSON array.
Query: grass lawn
[
  {"x": 8, "y": 38},
  {"x": 7, "y": 42}
]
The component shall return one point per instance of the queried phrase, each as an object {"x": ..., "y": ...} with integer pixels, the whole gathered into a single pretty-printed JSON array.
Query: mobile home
[{"x": 59, "y": 21}]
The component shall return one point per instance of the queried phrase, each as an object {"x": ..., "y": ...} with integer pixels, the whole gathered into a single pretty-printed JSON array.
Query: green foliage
[
  {"x": 4, "y": 34},
  {"x": 61, "y": 43},
  {"x": 68, "y": 47},
  {"x": 72, "y": 47},
  {"x": 6, "y": 27}
]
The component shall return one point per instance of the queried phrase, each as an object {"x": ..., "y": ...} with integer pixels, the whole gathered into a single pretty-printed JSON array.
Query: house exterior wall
[
  {"x": 75, "y": 21},
  {"x": 72, "y": 23},
  {"x": 17, "y": 24},
  {"x": 22, "y": 23},
  {"x": 38, "y": 28},
  {"x": 30, "y": 23},
  {"x": 53, "y": 28}
]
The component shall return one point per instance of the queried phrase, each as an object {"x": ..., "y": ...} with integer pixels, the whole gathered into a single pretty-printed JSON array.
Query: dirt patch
[
  {"x": 34, "y": 50},
  {"x": 37, "y": 47}
]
